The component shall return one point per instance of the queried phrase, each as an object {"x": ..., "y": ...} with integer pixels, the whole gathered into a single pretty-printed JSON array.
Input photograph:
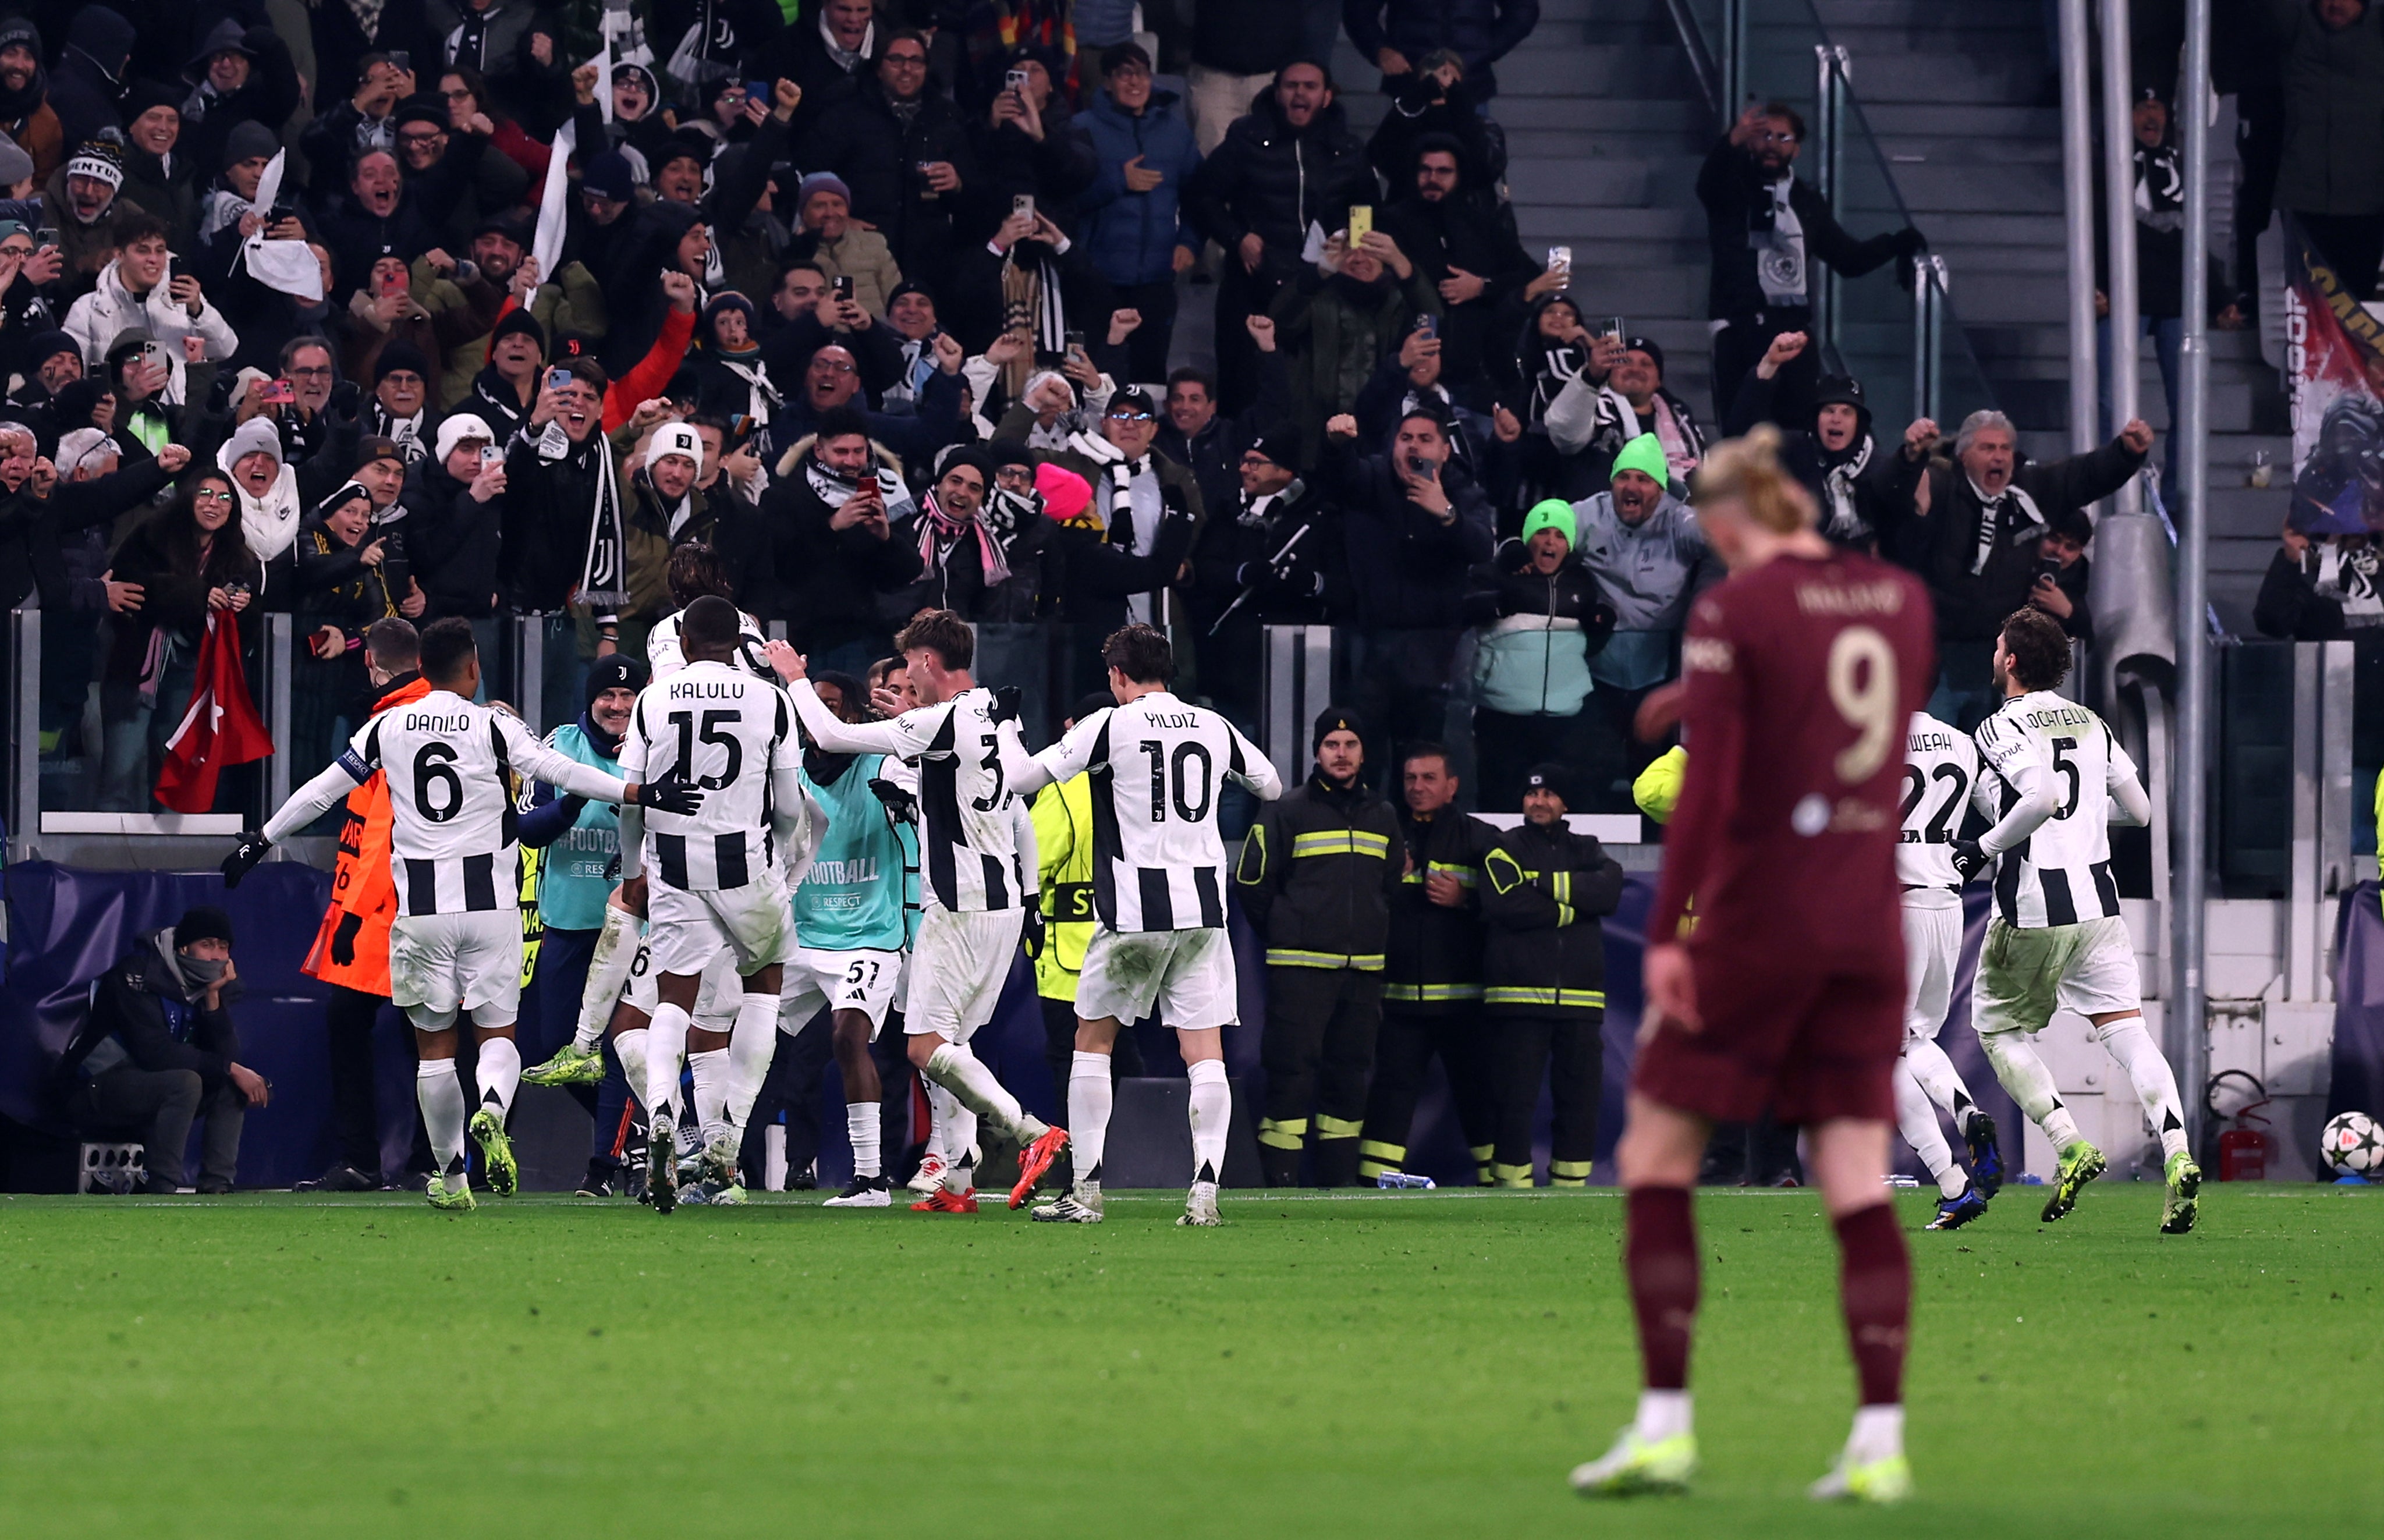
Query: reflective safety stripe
[
  {"x": 1562, "y": 999},
  {"x": 1567, "y": 1182},
  {"x": 1283, "y": 1134},
  {"x": 1341, "y": 843},
  {"x": 1464, "y": 875},
  {"x": 1369, "y": 1170},
  {"x": 1571, "y": 1171},
  {"x": 1511, "y": 1176},
  {"x": 1375, "y": 1150},
  {"x": 1425, "y": 994},
  {"x": 1337, "y": 1128},
  {"x": 1291, "y": 957},
  {"x": 1481, "y": 1153}
]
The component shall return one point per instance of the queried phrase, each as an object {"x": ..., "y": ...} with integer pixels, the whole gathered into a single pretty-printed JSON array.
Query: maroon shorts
[{"x": 1810, "y": 1045}]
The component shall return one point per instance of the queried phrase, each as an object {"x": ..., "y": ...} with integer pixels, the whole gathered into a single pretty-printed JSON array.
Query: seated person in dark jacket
[
  {"x": 1272, "y": 556},
  {"x": 1864, "y": 492},
  {"x": 160, "y": 1050}
]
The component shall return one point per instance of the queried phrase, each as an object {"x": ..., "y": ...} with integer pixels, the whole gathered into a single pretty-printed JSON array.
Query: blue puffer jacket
[{"x": 1132, "y": 236}]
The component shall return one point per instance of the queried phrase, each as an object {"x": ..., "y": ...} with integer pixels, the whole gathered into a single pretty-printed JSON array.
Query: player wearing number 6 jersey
[
  {"x": 1941, "y": 765},
  {"x": 2056, "y": 781},
  {"x": 456, "y": 943},
  {"x": 1802, "y": 672},
  {"x": 1159, "y": 945},
  {"x": 976, "y": 853}
]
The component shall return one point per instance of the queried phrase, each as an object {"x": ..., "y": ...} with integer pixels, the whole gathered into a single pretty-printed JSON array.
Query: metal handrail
[{"x": 1701, "y": 59}]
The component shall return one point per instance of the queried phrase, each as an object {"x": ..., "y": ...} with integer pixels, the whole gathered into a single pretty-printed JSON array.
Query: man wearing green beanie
[{"x": 1643, "y": 546}]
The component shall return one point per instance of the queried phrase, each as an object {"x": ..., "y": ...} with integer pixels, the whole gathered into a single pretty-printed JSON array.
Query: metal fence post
[
  {"x": 1833, "y": 70},
  {"x": 1928, "y": 285},
  {"x": 24, "y": 731},
  {"x": 281, "y": 664},
  {"x": 1733, "y": 60},
  {"x": 529, "y": 670}
]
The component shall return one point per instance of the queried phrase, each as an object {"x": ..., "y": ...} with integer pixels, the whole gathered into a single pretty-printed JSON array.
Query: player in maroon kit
[{"x": 1802, "y": 672}]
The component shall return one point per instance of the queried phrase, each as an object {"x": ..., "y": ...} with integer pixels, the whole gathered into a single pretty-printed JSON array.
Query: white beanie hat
[
  {"x": 675, "y": 438},
  {"x": 461, "y": 429}
]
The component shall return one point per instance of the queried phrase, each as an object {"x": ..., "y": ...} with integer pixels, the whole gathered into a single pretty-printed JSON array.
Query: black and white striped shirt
[
  {"x": 2059, "y": 872},
  {"x": 1157, "y": 766},
  {"x": 731, "y": 734}
]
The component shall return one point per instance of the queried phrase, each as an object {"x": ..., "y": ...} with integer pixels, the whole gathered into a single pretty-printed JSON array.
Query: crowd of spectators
[{"x": 878, "y": 302}]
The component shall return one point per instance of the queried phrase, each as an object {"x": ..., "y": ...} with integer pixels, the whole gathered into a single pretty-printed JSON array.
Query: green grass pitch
[{"x": 1426, "y": 1364}]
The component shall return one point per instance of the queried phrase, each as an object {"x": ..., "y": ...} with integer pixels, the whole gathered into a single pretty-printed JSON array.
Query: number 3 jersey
[
  {"x": 1941, "y": 764},
  {"x": 451, "y": 841},
  {"x": 2061, "y": 873},
  {"x": 732, "y": 735}
]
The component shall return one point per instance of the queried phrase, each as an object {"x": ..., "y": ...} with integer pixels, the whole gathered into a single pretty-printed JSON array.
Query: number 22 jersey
[{"x": 1803, "y": 675}]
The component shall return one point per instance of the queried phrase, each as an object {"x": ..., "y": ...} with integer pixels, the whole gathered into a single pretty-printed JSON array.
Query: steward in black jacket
[
  {"x": 1543, "y": 890},
  {"x": 1316, "y": 878}
]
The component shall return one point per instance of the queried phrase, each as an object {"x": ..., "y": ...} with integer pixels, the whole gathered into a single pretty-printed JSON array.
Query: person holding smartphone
[{"x": 903, "y": 151}]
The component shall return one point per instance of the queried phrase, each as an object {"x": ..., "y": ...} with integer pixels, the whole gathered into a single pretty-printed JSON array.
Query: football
[{"x": 2351, "y": 1144}]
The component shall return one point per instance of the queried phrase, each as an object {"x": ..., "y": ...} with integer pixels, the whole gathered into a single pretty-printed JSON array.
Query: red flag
[{"x": 221, "y": 727}]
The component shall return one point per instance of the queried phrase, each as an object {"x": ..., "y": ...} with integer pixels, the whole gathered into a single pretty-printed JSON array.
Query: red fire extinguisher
[{"x": 2243, "y": 1150}]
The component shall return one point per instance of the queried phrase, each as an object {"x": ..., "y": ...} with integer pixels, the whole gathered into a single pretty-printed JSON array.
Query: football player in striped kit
[
  {"x": 716, "y": 883},
  {"x": 457, "y": 947},
  {"x": 1159, "y": 945},
  {"x": 976, "y": 852},
  {"x": 1941, "y": 765},
  {"x": 2057, "y": 781}
]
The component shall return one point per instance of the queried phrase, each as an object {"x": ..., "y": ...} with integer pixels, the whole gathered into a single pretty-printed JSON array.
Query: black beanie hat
[
  {"x": 521, "y": 320},
  {"x": 1335, "y": 719},
  {"x": 402, "y": 355},
  {"x": 202, "y": 923},
  {"x": 1548, "y": 777},
  {"x": 615, "y": 670}
]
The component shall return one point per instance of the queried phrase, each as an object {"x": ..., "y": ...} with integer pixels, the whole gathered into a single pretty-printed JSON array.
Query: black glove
[
  {"x": 1910, "y": 243},
  {"x": 1005, "y": 705},
  {"x": 345, "y": 397},
  {"x": 670, "y": 794},
  {"x": 244, "y": 857},
  {"x": 1037, "y": 929},
  {"x": 900, "y": 804},
  {"x": 1968, "y": 859}
]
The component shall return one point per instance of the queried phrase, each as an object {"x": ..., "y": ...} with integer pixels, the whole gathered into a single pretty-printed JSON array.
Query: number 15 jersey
[{"x": 730, "y": 734}]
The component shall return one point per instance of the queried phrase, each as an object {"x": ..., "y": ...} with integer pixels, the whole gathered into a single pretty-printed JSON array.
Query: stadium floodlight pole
[
  {"x": 2119, "y": 229},
  {"x": 2078, "y": 200},
  {"x": 2188, "y": 1039}
]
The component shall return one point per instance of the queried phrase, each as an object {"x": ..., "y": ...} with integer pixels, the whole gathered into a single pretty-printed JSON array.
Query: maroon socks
[
  {"x": 1659, "y": 1255},
  {"x": 1875, "y": 1279}
]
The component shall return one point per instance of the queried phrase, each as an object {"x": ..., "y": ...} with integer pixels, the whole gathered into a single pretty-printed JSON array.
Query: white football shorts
[
  {"x": 961, "y": 962},
  {"x": 861, "y": 980},
  {"x": 1932, "y": 949},
  {"x": 2025, "y": 975},
  {"x": 688, "y": 929},
  {"x": 471, "y": 962},
  {"x": 1184, "y": 977},
  {"x": 715, "y": 997}
]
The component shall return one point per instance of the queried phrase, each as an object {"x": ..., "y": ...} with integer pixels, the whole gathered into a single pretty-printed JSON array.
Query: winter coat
[
  {"x": 1736, "y": 197},
  {"x": 1589, "y": 424},
  {"x": 1943, "y": 546},
  {"x": 174, "y": 598},
  {"x": 798, "y": 53},
  {"x": 823, "y": 582},
  {"x": 2289, "y": 606},
  {"x": 2333, "y": 159},
  {"x": 357, "y": 238},
  {"x": 269, "y": 96},
  {"x": 1267, "y": 178},
  {"x": 956, "y": 580},
  {"x": 504, "y": 54},
  {"x": 1336, "y": 331},
  {"x": 1236, "y": 551},
  {"x": 1434, "y": 952},
  {"x": 1093, "y": 578},
  {"x": 1543, "y": 891},
  {"x": 336, "y": 588},
  {"x": 83, "y": 249},
  {"x": 94, "y": 321},
  {"x": 35, "y": 531},
  {"x": 1476, "y": 233},
  {"x": 860, "y": 255},
  {"x": 340, "y": 41},
  {"x": 1317, "y": 873},
  {"x": 1647, "y": 572},
  {"x": 861, "y": 140},
  {"x": 1480, "y": 31},
  {"x": 83, "y": 93},
  {"x": 548, "y": 506},
  {"x": 1538, "y": 632},
  {"x": 1407, "y": 568},
  {"x": 1421, "y": 112},
  {"x": 1214, "y": 454},
  {"x": 1133, "y": 236},
  {"x": 1053, "y": 171},
  {"x": 1880, "y": 492},
  {"x": 168, "y": 187},
  {"x": 141, "y": 1016},
  {"x": 452, "y": 543}
]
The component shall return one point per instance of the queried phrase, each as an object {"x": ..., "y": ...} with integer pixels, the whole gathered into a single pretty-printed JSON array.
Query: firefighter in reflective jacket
[
  {"x": 1432, "y": 982},
  {"x": 351, "y": 949},
  {"x": 1544, "y": 979},
  {"x": 1064, "y": 848},
  {"x": 1316, "y": 877}
]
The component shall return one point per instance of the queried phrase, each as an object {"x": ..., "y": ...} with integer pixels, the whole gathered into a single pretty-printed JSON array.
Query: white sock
[
  {"x": 941, "y": 1108},
  {"x": 630, "y": 1048},
  {"x": 608, "y": 973},
  {"x": 440, "y": 1094},
  {"x": 1916, "y": 1119},
  {"x": 1662, "y": 1414},
  {"x": 965, "y": 1075},
  {"x": 861, "y": 1127},
  {"x": 1089, "y": 1099},
  {"x": 1942, "y": 1082},
  {"x": 752, "y": 1042},
  {"x": 1879, "y": 1434},
  {"x": 2030, "y": 1084},
  {"x": 1212, "y": 1112},
  {"x": 665, "y": 1045},
  {"x": 960, "y": 1147},
  {"x": 2132, "y": 1046},
  {"x": 709, "y": 1068},
  {"x": 499, "y": 1075}
]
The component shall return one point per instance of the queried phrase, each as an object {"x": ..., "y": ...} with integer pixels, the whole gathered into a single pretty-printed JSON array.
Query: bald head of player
[
  {"x": 1751, "y": 509},
  {"x": 1140, "y": 662},
  {"x": 2031, "y": 652},
  {"x": 450, "y": 658},
  {"x": 707, "y": 630},
  {"x": 392, "y": 649}
]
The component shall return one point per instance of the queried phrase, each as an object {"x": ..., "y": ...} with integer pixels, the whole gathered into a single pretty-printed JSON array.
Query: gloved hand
[
  {"x": 1005, "y": 705},
  {"x": 671, "y": 794},
  {"x": 900, "y": 804},
  {"x": 1036, "y": 931},
  {"x": 1969, "y": 860},
  {"x": 244, "y": 857}
]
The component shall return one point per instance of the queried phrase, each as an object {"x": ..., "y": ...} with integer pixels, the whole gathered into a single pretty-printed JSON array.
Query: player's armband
[{"x": 353, "y": 764}]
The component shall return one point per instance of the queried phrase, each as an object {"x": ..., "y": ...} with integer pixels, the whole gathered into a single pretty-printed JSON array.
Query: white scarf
[
  {"x": 1838, "y": 486},
  {"x": 1672, "y": 430},
  {"x": 761, "y": 395},
  {"x": 2028, "y": 524},
  {"x": 270, "y": 523},
  {"x": 2352, "y": 579},
  {"x": 1780, "y": 251}
]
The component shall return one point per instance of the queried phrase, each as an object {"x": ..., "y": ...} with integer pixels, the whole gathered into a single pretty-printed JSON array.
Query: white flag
[
  {"x": 288, "y": 267},
  {"x": 546, "y": 246}
]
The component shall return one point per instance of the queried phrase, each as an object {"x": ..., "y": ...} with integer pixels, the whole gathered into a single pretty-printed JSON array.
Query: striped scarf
[{"x": 939, "y": 532}]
